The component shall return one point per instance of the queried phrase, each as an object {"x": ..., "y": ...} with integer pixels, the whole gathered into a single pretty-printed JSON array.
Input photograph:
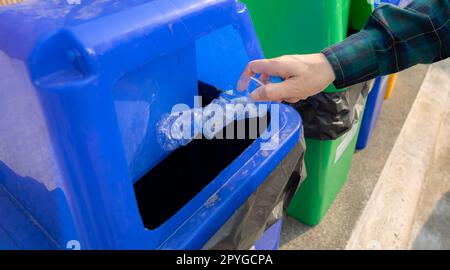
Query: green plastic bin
[
  {"x": 360, "y": 11},
  {"x": 328, "y": 165},
  {"x": 301, "y": 27}
]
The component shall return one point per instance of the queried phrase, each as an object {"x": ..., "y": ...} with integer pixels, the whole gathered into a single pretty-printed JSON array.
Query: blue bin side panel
[
  {"x": 142, "y": 96},
  {"x": 29, "y": 168},
  {"x": 372, "y": 112},
  {"x": 271, "y": 238}
]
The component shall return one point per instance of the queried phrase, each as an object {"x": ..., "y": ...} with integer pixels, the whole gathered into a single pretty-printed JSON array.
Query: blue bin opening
[{"x": 190, "y": 169}]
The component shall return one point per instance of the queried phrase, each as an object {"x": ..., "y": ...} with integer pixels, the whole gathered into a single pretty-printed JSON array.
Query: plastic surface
[
  {"x": 372, "y": 112},
  {"x": 271, "y": 238},
  {"x": 81, "y": 88},
  {"x": 299, "y": 26},
  {"x": 328, "y": 164},
  {"x": 327, "y": 116},
  {"x": 391, "y": 85},
  {"x": 393, "y": 2},
  {"x": 360, "y": 11}
]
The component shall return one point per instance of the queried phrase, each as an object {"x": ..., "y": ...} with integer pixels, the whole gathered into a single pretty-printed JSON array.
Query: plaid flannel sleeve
[{"x": 392, "y": 40}]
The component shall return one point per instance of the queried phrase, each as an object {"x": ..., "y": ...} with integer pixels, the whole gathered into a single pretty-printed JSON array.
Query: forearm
[{"x": 392, "y": 40}]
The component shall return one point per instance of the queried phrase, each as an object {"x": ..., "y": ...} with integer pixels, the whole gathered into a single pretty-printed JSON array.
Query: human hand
[{"x": 304, "y": 76}]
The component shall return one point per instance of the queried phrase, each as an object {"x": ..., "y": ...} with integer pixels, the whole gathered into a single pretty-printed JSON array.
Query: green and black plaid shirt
[{"x": 392, "y": 40}]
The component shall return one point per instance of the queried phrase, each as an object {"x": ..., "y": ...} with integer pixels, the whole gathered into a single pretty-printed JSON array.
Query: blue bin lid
[{"x": 33, "y": 19}]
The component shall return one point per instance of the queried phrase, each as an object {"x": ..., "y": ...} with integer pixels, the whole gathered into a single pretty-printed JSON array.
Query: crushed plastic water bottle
[
  {"x": 180, "y": 128},
  {"x": 170, "y": 133}
]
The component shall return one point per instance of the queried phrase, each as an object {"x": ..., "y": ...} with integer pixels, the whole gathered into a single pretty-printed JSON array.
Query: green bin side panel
[
  {"x": 360, "y": 11},
  {"x": 299, "y": 26},
  {"x": 328, "y": 164}
]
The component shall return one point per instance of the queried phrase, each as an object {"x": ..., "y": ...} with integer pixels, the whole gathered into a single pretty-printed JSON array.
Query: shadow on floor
[{"x": 435, "y": 233}]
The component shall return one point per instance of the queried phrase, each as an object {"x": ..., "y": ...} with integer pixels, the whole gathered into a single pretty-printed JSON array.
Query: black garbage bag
[
  {"x": 264, "y": 207},
  {"x": 327, "y": 116}
]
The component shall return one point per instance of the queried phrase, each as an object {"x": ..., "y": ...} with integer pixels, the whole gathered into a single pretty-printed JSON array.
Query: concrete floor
[
  {"x": 431, "y": 229},
  {"x": 337, "y": 227}
]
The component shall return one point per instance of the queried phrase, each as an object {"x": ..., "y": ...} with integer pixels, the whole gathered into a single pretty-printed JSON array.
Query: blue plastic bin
[
  {"x": 81, "y": 89},
  {"x": 375, "y": 99},
  {"x": 372, "y": 111},
  {"x": 271, "y": 238}
]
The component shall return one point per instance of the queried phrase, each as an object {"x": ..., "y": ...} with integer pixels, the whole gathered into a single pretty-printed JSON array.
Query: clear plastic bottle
[{"x": 180, "y": 128}]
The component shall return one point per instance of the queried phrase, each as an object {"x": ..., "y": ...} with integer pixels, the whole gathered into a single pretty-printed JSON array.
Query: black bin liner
[
  {"x": 264, "y": 207},
  {"x": 327, "y": 116}
]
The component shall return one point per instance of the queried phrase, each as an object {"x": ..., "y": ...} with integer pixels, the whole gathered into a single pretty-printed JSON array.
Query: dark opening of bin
[{"x": 175, "y": 181}]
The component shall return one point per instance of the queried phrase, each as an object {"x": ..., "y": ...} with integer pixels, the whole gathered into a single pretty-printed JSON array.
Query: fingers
[
  {"x": 273, "y": 67},
  {"x": 292, "y": 100},
  {"x": 264, "y": 78},
  {"x": 271, "y": 92},
  {"x": 244, "y": 80},
  {"x": 266, "y": 68}
]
